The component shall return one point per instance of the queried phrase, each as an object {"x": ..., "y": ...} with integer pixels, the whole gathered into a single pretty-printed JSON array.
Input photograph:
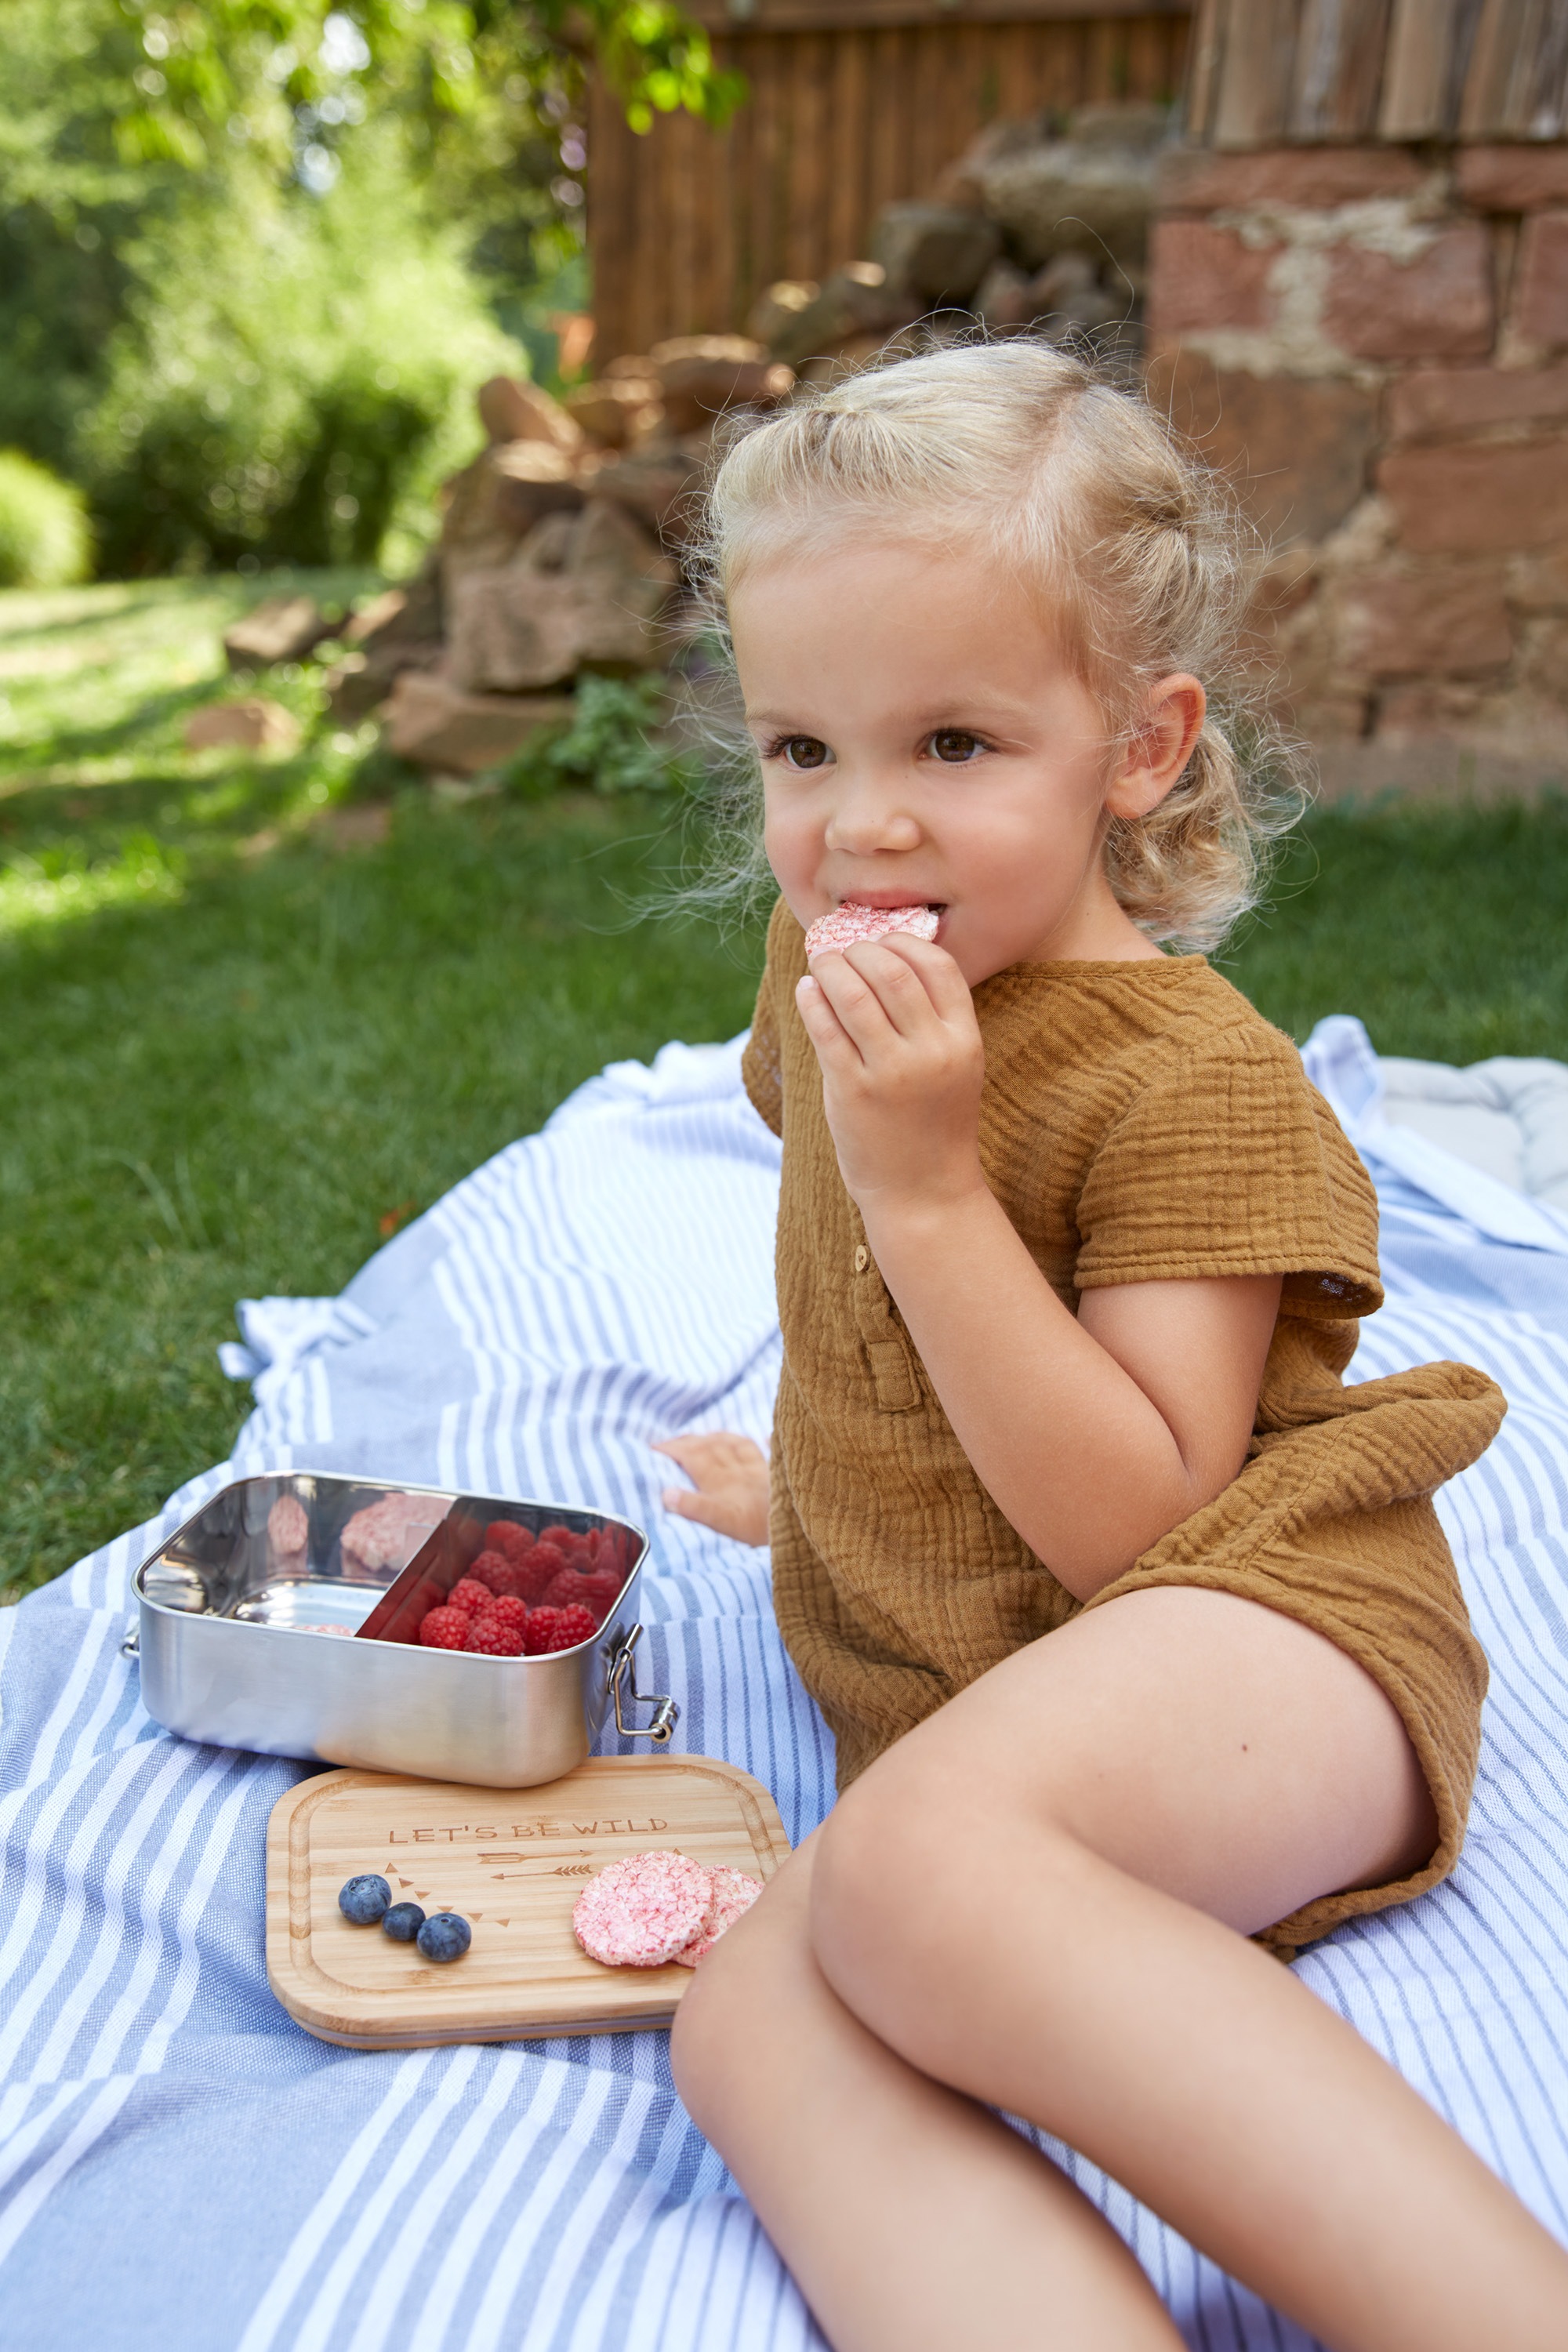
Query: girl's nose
[{"x": 868, "y": 816}]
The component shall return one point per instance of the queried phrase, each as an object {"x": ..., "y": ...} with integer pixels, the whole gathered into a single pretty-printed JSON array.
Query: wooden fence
[
  {"x": 851, "y": 105},
  {"x": 1270, "y": 70}
]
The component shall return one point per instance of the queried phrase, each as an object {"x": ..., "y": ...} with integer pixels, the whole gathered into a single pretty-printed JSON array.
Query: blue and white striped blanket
[{"x": 182, "y": 2168}]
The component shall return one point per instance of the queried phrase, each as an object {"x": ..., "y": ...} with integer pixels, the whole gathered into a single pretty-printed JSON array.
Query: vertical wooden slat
[
  {"x": 1416, "y": 73},
  {"x": 1255, "y": 76},
  {"x": 1203, "y": 70},
  {"x": 1484, "y": 106},
  {"x": 1338, "y": 68}
]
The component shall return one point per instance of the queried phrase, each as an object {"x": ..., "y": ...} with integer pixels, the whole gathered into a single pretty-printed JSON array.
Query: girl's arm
[{"x": 1094, "y": 1434}]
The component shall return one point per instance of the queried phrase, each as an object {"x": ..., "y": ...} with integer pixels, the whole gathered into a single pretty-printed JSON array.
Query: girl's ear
[{"x": 1160, "y": 748}]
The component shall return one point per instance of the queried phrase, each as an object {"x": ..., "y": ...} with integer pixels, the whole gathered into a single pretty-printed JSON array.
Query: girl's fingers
[
  {"x": 945, "y": 985},
  {"x": 860, "y": 1012},
  {"x": 835, "y": 1049}
]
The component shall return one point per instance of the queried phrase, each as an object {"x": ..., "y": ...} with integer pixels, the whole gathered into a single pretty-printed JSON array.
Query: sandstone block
[
  {"x": 1449, "y": 622},
  {"x": 699, "y": 375},
  {"x": 1432, "y": 401},
  {"x": 1196, "y": 179},
  {"x": 256, "y": 724},
  {"x": 284, "y": 628},
  {"x": 777, "y": 308},
  {"x": 1202, "y": 277},
  {"x": 616, "y": 410},
  {"x": 1541, "y": 305},
  {"x": 435, "y": 724},
  {"x": 934, "y": 253},
  {"x": 1297, "y": 448},
  {"x": 1438, "y": 306},
  {"x": 495, "y": 501},
  {"x": 659, "y": 484},
  {"x": 856, "y": 301},
  {"x": 1513, "y": 179},
  {"x": 1088, "y": 195},
  {"x": 1478, "y": 500},
  {"x": 511, "y": 410},
  {"x": 584, "y": 593}
]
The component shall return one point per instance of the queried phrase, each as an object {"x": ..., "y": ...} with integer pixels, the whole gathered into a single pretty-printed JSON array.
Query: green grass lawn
[{"x": 254, "y": 1013}]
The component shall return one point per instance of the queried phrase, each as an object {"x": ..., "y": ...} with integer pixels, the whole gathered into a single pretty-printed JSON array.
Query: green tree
[{"x": 302, "y": 148}]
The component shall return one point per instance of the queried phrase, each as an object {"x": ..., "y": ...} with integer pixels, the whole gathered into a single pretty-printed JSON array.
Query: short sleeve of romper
[{"x": 1226, "y": 1161}]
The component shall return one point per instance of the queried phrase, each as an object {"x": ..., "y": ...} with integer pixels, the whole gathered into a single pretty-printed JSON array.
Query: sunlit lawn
[{"x": 254, "y": 1013}]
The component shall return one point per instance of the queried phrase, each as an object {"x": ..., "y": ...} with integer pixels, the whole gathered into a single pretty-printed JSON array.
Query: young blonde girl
[{"x": 1140, "y": 1641}]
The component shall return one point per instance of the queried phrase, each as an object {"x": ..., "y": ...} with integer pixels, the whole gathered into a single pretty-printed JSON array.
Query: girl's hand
[
  {"x": 729, "y": 1474},
  {"x": 903, "y": 1062}
]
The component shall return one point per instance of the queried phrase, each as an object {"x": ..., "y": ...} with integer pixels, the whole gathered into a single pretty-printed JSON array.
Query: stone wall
[{"x": 1373, "y": 342}]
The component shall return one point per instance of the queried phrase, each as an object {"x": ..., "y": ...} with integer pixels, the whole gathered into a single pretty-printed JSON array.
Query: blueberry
[
  {"x": 364, "y": 1899},
  {"x": 403, "y": 1922},
  {"x": 446, "y": 1936}
]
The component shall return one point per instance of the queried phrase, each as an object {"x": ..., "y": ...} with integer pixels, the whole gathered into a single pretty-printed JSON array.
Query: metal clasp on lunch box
[{"x": 623, "y": 1670}]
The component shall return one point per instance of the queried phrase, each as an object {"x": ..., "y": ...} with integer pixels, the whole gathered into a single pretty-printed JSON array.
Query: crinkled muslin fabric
[
  {"x": 182, "y": 2169},
  {"x": 1140, "y": 1122}
]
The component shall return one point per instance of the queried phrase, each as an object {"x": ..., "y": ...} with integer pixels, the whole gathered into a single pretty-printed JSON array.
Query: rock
[
  {"x": 702, "y": 374},
  {"x": 854, "y": 302},
  {"x": 1437, "y": 306},
  {"x": 511, "y": 410},
  {"x": 1437, "y": 400},
  {"x": 398, "y": 630},
  {"x": 495, "y": 502},
  {"x": 256, "y": 724},
  {"x": 1082, "y": 194},
  {"x": 618, "y": 410},
  {"x": 1317, "y": 179},
  {"x": 582, "y": 594},
  {"x": 776, "y": 309},
  {"x": 1478, "y": 499},
  {"x": 435, "y": 724},
  {"x": 1449, "y": 619},
  {"x": 931, "y": 253},
  {"x": 660, "y": 485},
  {"x": 1205, "y": 278},
  {"x": 1297, "y": 449},
  {"x": 1065, "y": 296},
  {"x": 851, "y": 357},
  {"x": 1541, "y": 305},
  {"x": 1513, "y": 179},
  {"x": 284, "y": 628}
]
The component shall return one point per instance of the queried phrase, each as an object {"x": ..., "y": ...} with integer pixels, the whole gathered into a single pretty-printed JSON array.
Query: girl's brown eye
[
  {"x": 804, "y": 751},
  {"x": 954, "y": 745}
]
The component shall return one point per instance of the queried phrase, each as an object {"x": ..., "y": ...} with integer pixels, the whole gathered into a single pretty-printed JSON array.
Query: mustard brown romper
[{"x": 1140, "y": 1122}]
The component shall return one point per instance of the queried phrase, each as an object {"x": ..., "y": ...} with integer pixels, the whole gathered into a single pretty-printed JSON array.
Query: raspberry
[
  {"x": 468, "y": 1594},
  {"x": 549, "y": 1630},
  {"x": 445, "y": 1628},
  {"x": 570, "y": 1590},
  {"x": 507, "y": 1608},
  {"x": 605, "y": 1590},
  {"x": 492, "y": 1636},
  {"x": 487, "y": 1567},
  {"x": 565, "y": 1540},
  {"x": 506, "y": 1536}
]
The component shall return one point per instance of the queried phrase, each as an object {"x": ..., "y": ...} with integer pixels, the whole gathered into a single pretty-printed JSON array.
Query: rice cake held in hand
[{"x": 848, "y": 924}]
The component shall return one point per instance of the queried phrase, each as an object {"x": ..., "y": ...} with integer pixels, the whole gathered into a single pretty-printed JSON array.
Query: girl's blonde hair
[{"x": 1086, "y": 494}]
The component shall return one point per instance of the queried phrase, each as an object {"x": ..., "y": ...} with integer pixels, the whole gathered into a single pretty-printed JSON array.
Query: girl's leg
[
  {"x": 1024, "y": 1901},
  {"x": 909, "y": 2216}
]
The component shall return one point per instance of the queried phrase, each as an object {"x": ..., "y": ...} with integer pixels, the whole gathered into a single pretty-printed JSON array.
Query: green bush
[
  {"x": 291, "y": 385},
  {"x": 44, "y": 537},
  {"x": 608, "y": 747}
]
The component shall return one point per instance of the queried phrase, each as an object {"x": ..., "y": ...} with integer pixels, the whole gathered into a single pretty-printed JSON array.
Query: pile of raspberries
[{"x": 526, "y": 1596}]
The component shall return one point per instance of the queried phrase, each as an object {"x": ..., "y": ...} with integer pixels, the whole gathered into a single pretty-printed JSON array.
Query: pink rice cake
[
  {"x": 643, "y": 1911},
  {"x": 733, "y": 1896},
  {"x": 849, "y": 924},
  {"x": 387, "y": 1534}
]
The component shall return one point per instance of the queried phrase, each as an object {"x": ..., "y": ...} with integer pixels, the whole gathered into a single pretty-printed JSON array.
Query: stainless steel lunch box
[{"x": 243, "y": 1646}]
